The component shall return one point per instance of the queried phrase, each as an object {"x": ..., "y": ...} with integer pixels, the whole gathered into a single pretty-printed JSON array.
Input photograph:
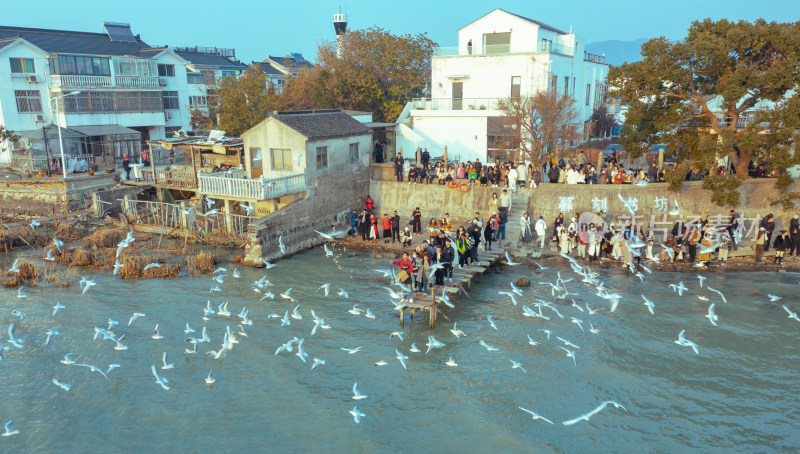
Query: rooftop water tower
[{"x": 340, "y": 25}]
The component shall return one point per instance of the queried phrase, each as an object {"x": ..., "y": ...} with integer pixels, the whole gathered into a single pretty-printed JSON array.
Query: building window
[
  {"x": 77, "y": 65},
  {"x": 196, "y": 102},
  {"x": 554, "y": 84},
  {"x": 256, "y": 158},
  {"x": 322, "y": 157},
  {"x": 588, "y": 92},
  {"x": 28, "y": 101},
  {"x": 496, "y": 43},
  {"x": 169, "y": 131},
  {"x": 195, "y": 78},
  {"x": 171, "y": 100},
  {"x": 112, "y": 102},
  {"x": 566, "y": 85},
  {"x": 135, "y": 67},
  {"x": 229, "y": 73},
  {"x": 281, "y": 158},
  {"x": 22, "y": 65},
  {"x": 515, "y": 83},
  {"x": 354, "y": 153},
  {"x": 166, "y": 70}
]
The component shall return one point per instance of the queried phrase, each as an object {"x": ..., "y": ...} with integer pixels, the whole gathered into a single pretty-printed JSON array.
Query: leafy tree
[
  {"x": 239, "y": 103},
  {"x": 378, "y": 72},
  {"x": 547, "y": 123},
  {"x": 697, "y": 95},
  {"x": 6, "y": 135},
  {"x": 602, "y": 121}
]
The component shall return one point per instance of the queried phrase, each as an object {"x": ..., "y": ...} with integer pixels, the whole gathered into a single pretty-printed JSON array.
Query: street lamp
[{"x": 58, "y": 124}]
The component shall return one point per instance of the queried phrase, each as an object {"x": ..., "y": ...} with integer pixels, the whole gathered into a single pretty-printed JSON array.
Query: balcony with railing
[
  {"x": 233, "y": 184},
  {"x": 454, "y": 104},
  {"x": 137, "y": 82},
  {"x": 503, "y": 49},
  {"x": 594, "y": 58},
  {"x": 81, "y": 81}
]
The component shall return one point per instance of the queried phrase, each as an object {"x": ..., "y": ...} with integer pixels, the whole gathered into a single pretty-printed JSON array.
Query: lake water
[{"x": 737, "y": 395}]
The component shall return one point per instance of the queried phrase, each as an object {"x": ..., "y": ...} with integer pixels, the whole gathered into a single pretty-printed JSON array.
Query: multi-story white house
[
  {"x": 109, "y": 92},
  {"x": 205, "y": 65},
  {"x": 499, "y": 55}
]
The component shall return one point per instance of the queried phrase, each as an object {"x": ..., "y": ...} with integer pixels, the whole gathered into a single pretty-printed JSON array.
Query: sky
[{"x": 258, "y": 28}]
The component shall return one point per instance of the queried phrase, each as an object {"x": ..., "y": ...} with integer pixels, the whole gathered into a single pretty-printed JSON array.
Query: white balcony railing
[
  {"x": 455, "y": 104},
  {"x": 503, "y": 49},
  {"x": 233, "y": 184},
  {"x": 66, "y": 80},
  {"x": 137, "y": 82}
]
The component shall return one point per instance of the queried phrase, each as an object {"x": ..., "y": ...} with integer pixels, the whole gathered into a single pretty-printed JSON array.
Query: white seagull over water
[
  {"x": 61, "y": 385},
  {"x": 159, "y": 379},
  {"x": 210, "y": 379},
  {"x": 164, "y": 361},
  {"x": 535, "y": 416},
  {"x": 50, "y": 333},
  {"x": 488, "y": 347},
  {"x": 711, "y": 316},
  {"x": 649, "y": 304},
  {"x": 791, "y": 314},
  {"x": 12, "y": 338},
  {"x": 402, "y": 358},
  {"x": 357, "y": 394},
  {"x": 586, "y": 416},
  {"x": 58, "y": 307},
  {"x": 451, "y": 362},
  {"x": 8, "y": 431},
  {"x": 682, "y": 341},
  {"x": 357, "y": 415}
]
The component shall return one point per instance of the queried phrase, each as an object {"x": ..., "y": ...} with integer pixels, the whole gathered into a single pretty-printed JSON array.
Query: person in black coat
[
  {"x": 794, "y": 234},
  {"x": 448, "y": 255},
  {"x": 425, "y": 157},
  {"x": 488, "y": 234},
  {"x": 363, "y": 225},
  {"x": 769, "y": 225},
  {"x": 782, "y": 242},
  {"x": 475, "y": 233},
  {"x": 395, "y": 226},
  {"x": 552, "y": 175},
  {"x": 398, "y": 166}
]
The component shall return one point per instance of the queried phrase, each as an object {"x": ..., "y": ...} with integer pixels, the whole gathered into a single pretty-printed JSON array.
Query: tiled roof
[
  {"x": 292, "y": 62},
  {"x": 71, "y": 42},
  {"x": 540, "y": 24},
  {"x": 204, "y": 59},
  {"x": 322, "y": 124},
  {"x": 267, "y": 68}
]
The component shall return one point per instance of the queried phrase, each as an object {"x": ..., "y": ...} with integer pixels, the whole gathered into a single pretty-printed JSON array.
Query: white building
[
  {"x": 204, "y": 65},
  {"x": 498, "y": 56},
  {"x": 120, "y": 91}
]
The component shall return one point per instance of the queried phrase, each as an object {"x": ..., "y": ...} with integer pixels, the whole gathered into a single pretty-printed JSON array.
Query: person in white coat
[
  {"x": 541, "y": 230},
  {"x": 512, "y": 180},
  {"x": 522, "y": 174},
  {"x": 525, "y": 227}
]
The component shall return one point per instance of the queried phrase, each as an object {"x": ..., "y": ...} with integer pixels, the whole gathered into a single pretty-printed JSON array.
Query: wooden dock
[{"x": 462, "y": 278}]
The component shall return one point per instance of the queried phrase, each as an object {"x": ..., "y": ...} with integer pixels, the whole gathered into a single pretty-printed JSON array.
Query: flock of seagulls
[{"x": 396, "y": 292}]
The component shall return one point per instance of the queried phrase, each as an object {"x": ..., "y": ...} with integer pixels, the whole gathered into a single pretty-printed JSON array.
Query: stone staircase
[{"x": 519, "y": 205}]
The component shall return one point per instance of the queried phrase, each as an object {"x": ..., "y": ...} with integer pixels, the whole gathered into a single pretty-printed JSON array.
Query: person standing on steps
[
  {"x": 425, "y": 157},
  {"x": 541, "y": 231},
  {"x": 448, "y": 255},
  {"x": 398, "y": 166},
  {"x": 525, "y": 225},
  {"x": 762, "y": 233},
  {"x": 733, "y": 228},
  {"x": 505, "y": 203},
  {"x": 386, "y": 223},
  {"x": 769, "y": 227}
]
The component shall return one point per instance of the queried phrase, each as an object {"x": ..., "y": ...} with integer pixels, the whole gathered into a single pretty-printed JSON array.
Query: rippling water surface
[{"x": 737, "y": 395}]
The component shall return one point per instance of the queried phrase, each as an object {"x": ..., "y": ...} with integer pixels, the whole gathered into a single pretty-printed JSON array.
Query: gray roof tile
[
  {"x": 71, "y": 42},
  {"x": 322, "y": 124}
]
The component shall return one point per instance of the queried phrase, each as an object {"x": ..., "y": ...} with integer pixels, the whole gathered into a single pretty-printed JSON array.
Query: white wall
[
  {"x": 463, "y": 132},
  {"x": 523, "y": 33},
  {"x": 338, "y": 156},
  {"x": 182, "y": 116}
]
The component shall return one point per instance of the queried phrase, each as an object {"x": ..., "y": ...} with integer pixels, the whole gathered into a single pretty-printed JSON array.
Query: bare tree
[{"x": 547, "y": 123}]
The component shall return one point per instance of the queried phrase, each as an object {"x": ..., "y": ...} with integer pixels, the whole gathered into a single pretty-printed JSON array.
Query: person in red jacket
[
  {"x": 386, "y": 223},
  {"x": 405, "y": 264},
  {"x": 369, "y": 204}
]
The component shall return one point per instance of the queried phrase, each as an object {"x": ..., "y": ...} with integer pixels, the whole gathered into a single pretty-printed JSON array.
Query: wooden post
[
  {"x": 432, "y": 309},
  {"x": 402, "y": 316}
]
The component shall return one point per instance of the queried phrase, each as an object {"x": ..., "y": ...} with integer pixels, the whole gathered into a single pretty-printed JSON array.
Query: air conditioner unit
[
  {"x": 39, "y": 117},
  {"x": 162, "y": 82},
  {"x": 32, "y": 78}
]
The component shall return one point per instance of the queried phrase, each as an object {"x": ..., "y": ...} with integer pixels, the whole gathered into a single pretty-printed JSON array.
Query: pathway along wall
[{"x": 654, "y": 201}]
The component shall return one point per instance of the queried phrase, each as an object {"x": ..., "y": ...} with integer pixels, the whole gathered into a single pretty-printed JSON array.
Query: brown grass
[
  {"x": 202, "y": 263},
  {"x": 135, "y": 264},
  {"x": 104, "y": 238},
  {"x": 30, "y": 276}
]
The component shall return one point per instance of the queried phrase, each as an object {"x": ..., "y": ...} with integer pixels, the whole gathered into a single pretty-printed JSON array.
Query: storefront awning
[
  {"x": 36, "y": 134},
  {"x": 104, "y": 130}
]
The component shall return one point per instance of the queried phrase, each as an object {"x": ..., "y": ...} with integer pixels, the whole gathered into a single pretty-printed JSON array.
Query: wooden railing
[
  {"x": 67, "y": 80},
  {"x": 174, "y": 216},
  {"x": 176, "y": 178},
  {"x": 232, "y": 184}
]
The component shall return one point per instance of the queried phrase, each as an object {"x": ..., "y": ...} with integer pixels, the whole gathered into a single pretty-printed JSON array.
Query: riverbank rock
[
  {"x": 352, "y": 254},
  {"x": 523, "y": 282},
  {"x": 378, "y": 256},
  {"x": 252, "y": 256}
]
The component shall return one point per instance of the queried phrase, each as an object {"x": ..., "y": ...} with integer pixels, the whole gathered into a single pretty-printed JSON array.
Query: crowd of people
[
  {"x": 699, "y": 242},
  {"x": 510, "y": 174},
  {"x": 428, "y": 264}
]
